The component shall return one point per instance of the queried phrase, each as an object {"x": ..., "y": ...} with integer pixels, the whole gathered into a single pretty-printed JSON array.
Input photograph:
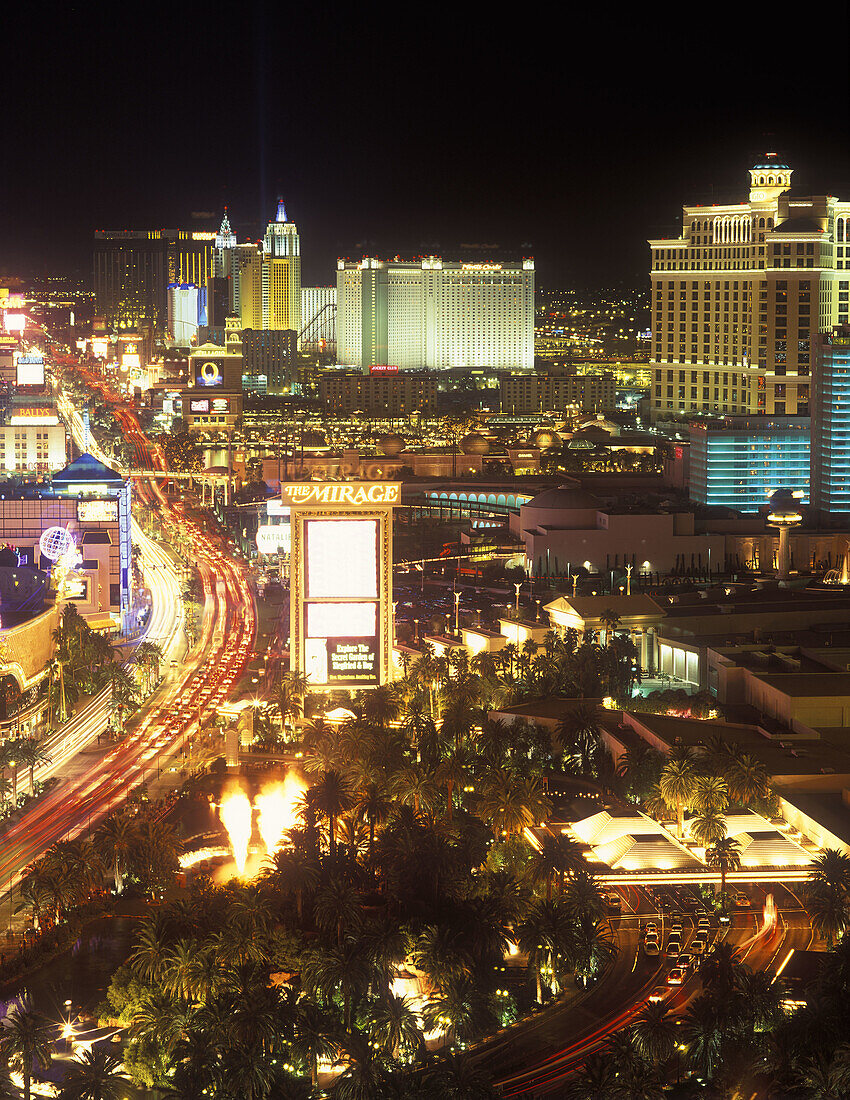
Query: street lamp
[
  {"x": 517, "y": 586},
  {"x": 457, "y": 612}
]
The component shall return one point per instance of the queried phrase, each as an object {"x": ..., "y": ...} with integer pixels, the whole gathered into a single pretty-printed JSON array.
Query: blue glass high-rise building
[
  {"x": 831, "y": 423},
  {"x": 740, "y": 461}
]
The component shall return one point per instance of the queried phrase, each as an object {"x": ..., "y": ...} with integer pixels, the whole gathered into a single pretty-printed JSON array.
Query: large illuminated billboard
[
  {"x": 29, "y": 370},
  {"x": 341, "y": 581},
  {"x": 209, "y": 372},
  {"x": 15, "y": 322},
  {"x": 342, "y": 559}
]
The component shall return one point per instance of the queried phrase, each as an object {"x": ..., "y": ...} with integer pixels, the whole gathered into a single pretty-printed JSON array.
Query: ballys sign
[{"x": 345, "y": 494}]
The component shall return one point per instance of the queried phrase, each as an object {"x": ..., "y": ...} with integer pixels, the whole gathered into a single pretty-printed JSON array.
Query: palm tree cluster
[
  {"x": 723, "y": 1043},
  {"x": 84, "y": 661},
  {"x": 709, "y": 783},
  {"x": 562, "y": 667},
  {"x": 827, "y": 894},
  {"x": 410, "y": 862},
  {"x": 73, "y": 875}
]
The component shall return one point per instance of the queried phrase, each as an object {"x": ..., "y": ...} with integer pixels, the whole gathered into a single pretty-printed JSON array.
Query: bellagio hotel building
[{"x": 739, "y": 296}]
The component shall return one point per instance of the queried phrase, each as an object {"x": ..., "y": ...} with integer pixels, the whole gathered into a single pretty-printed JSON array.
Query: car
[
  {"x": 697, "y": 946},
  {"x": 742, "y": 901},
  {"x": 689, "y": 902},
  {"x": 685, "y": 961},
  {"x": 676, "y": 976},
  {"x": 650, "y": 929},
  {"x": 658, "y": 995},
  {"x": 674, "y": 946},
  {"x": 703, "y": 922},
  {"x": 700, "y": 911},
  {"x": 651, "y": 947},
  {"x": 677, "y": 926},
  {"x": 614, "y": 903}
]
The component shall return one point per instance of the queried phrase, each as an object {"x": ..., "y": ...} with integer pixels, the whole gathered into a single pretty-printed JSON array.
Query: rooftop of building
[
  {"x": 790, "y": 757},
  {"x": 87, "y": 469},
  {"x": 800, "y": 224},
  {"x": 828, "y": 808}
]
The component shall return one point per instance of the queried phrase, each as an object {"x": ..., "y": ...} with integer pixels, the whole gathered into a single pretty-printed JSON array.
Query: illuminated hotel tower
[
  {"x": 738, "y": 298},
  {"x": 282, "y": 273}
]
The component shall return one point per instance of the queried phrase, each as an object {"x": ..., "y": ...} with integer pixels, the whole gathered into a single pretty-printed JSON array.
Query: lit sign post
[{"x": 341, "y": 581}]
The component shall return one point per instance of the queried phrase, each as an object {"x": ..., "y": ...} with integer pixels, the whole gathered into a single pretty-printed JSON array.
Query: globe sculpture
[{"x": 55, "y": 542}]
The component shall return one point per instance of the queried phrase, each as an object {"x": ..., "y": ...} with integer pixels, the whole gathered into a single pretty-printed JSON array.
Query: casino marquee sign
[
  {"x": 341, "y": 581},
  {"x": 346, "y": 494}
]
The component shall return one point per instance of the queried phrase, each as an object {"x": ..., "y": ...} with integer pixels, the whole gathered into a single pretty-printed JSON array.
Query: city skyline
[{"x": 382, "y": 142}]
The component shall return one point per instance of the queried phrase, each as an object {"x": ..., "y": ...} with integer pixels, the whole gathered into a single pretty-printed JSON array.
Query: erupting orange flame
[
  {"x": 235, "y": 813},
  {"x": 277, "y": 812}
]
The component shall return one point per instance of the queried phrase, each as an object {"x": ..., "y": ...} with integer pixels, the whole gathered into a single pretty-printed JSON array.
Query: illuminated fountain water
[{"x": 235, "y": 814}]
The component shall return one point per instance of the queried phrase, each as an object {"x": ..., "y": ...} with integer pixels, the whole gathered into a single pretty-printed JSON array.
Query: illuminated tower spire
[
  {"x": 281, "y": 210},
  {"x": 225, "y": 238}
]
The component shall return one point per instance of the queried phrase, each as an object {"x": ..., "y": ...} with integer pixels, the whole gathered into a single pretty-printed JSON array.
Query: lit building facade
[
  {"x": 185, "y": 314},
  {"x": 435, "y": 314},
  {"x": 269, "y": 360},
  {"x": 741, "y": 461},
  {"x": 526, "y": 394},
  {"x": 387, "y": 394},
  {"x": 738, "y": 297},
  {"x": 318, "y": 317},
  {"x": 831, "y": 423},
  {"x": 133, "y": 270},
  {"x": 264, "y": 278},
  {"x": 212, "y": 399}
]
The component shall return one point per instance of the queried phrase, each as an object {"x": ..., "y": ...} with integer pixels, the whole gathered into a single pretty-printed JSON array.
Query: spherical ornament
[
  {"x": 55, "y": 542},
  {"x": 391, "y": 444},
  {"x": 475, "y": 444}
]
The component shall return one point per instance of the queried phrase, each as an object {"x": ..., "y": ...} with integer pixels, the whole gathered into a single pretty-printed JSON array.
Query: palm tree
[
  {"x": 451, "y": 773},
  {"x": 596, "y": 1080},
  {"x": 395, "y": 1026},
  {"x": 510, "y": 805},
  {"x": 558, "y": 855},
  {"x": 337, "y": 908},
  {"x": 32, "y": 754},
  {"x": 116, "y": 839},
  {"x": 95, "y": 1075},
  {"x": 178, "y": 971},
  {"x": 332, "y": 796},
  {"x": 344, "y": 971},
  {"x": 707, "y": 827},
  {"x": 676, "y": 784},
  {"x": 828, "y": 910},
  {"x": 710, "y": 795},
  {"x": 724, "y": 856},
  {"x": 147, "y": 957},
  {"x": 294, "y": 872},
  {"x": 413, "y": 786},
  {"x": 832, "y": 869},
  {"x": 748, "y": 779},
  {"x": 315, "y": 1034},
  {"x": 26, "y": 1040},
  {"x": 825, "y": 1078},
  {"x": 580, "y": 725},
  {"x": 544, "y": 936},
  {"x": 654, "y": 1032},
  {"x": 375, "y": 807}
]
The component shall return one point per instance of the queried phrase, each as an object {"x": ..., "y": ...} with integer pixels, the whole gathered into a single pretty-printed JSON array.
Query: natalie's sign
[{"x": 346, "y": 494}]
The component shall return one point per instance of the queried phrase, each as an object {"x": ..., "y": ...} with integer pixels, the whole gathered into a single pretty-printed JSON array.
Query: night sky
[{"x": 405, "y": 129}]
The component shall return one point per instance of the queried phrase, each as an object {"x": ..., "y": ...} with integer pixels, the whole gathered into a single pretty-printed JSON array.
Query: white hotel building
[{"x": 435, "y": 314}]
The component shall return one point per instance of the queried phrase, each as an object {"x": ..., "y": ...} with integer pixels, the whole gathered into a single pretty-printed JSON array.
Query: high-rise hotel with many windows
[{"x": 738, "y": 298}]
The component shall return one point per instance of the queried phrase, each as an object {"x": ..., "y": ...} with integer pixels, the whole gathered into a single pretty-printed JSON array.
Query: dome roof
[
  {"x": 475, "y": 444},
  {"x": 390, "y": 444},
  {"x": 564, "y": 496}
]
